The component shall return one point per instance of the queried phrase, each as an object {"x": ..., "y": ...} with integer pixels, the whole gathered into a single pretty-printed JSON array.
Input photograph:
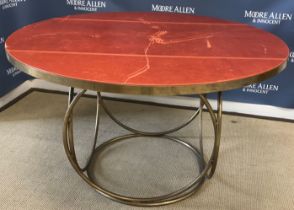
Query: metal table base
[{"x": 207, "y": 168}]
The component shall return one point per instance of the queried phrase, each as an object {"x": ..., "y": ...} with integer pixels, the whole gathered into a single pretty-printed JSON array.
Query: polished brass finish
[
  {"x": 206, "y": 168},
  {"x": 144, "y": 90}
]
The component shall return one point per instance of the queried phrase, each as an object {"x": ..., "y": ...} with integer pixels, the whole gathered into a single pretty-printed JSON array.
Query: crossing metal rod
[{"x": 145, "y": 133}]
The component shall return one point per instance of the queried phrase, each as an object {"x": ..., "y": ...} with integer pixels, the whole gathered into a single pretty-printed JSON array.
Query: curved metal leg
[
  {"x": 175, "y": 196},
  {"x": 70, "y": 138},
  {"x": 217, "y": 135},
  {"x": 201, "y": 126}
]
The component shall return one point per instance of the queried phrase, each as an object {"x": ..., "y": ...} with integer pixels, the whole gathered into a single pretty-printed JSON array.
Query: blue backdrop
[{"x": 275, "y": 16}]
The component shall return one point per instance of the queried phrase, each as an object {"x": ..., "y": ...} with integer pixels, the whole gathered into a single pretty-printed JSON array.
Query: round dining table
[{"x": 144, "y": 53}]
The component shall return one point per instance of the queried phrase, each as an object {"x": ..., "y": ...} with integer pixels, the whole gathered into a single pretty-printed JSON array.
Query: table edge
[{"x": 144, "y": 89}]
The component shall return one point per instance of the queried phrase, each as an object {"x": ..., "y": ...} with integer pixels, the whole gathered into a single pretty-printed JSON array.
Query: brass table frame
[{"x": 207, "y": 169}]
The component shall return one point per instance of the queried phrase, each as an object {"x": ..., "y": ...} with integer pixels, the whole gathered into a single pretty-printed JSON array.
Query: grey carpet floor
[{"x": 255, "y": 169}]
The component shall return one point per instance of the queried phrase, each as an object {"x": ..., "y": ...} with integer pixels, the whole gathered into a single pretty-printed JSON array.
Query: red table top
[{"x": 147, "y": 53}]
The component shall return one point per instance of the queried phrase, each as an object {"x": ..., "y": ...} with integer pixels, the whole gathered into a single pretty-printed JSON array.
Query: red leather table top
[{"x": 147, "y": 53}]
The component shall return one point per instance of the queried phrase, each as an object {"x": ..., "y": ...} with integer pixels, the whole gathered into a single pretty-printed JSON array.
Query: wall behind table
[{"x": 275, "y": 16}]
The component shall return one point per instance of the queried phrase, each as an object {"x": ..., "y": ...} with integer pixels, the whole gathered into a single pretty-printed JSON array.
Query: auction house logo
[
  {"x": 7, "y": 4},
  {"x": 291, "y": 57},
  {"x": 272, "y": 18},
  {"x": 2, "y": 40},
  {"x": 86, "y": 5},
  {"x": 173, "y": 9},
  {"x": 12, "y": 71},
  {"x": 260, "y": 88}
]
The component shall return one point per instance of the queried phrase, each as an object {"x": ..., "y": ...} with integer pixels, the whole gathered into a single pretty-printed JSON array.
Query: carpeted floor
[{"x": 255, "y": 169}]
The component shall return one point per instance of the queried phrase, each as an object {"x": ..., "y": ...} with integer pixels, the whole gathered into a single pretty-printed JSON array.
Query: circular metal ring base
[{"x": 169, "y": 198}]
